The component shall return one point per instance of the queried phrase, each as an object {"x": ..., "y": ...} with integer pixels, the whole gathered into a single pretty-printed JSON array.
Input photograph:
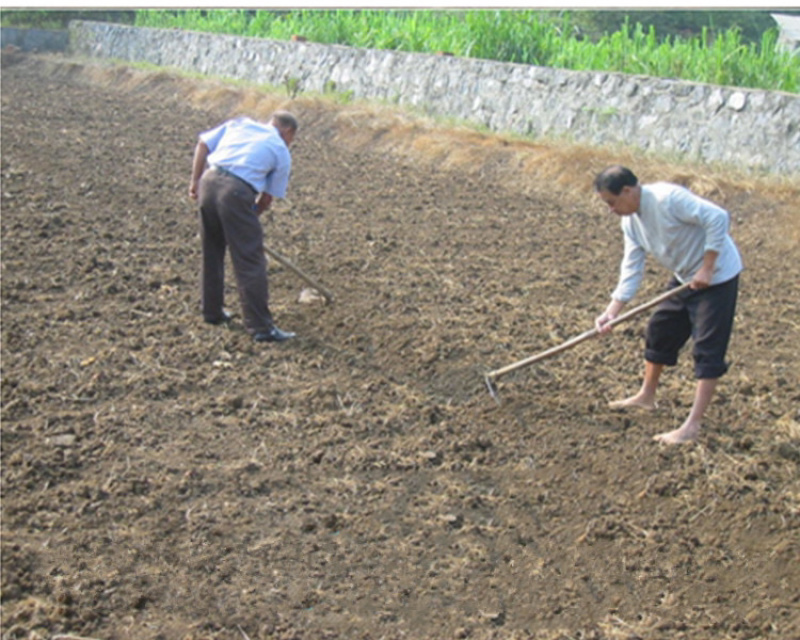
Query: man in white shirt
[
  {"x": 237, "y": 170},
  {"x": 690, "y": 236}
]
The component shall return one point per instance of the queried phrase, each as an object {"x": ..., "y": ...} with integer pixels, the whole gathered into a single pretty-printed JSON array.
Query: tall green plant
[{"x": 521, "y": 36}]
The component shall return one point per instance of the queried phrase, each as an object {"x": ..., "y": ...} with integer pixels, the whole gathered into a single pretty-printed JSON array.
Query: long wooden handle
[
  {"x": 286, "y": 263},
  {"x": 586, "y": 334}
]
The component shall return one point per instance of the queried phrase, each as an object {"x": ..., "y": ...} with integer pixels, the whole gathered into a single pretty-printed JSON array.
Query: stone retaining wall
[{"x": 753, "y": 129}]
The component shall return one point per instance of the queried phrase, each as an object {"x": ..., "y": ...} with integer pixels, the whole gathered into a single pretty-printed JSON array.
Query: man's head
[
  {"x": 619, "y": 188},
  {"x": 286, "y": 124}
]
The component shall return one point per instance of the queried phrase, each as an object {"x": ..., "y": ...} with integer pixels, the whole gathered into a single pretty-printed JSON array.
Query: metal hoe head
[{"x": 490, "y": 385}]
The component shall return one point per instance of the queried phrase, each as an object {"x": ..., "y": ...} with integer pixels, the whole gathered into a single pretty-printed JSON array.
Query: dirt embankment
[{"x": 162, "y": 478}]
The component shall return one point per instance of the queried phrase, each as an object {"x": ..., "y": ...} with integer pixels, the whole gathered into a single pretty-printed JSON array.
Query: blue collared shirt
[{"x": 253, "y": 151}]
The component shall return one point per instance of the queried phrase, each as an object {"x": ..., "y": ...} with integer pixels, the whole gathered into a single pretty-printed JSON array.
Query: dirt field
[{"x": 166, "y": 479}]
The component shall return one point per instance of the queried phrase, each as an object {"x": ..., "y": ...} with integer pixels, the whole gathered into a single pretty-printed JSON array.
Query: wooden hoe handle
[
  {"x": 585, "y": 335},
  {"x": 304, "y": 276}
]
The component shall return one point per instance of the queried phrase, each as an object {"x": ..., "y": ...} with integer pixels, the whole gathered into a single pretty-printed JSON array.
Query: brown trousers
[{"x": 229, "y": 221}]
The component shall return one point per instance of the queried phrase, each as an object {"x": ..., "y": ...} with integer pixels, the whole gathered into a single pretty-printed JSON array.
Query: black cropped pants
[{"x": 706, "y": 316}]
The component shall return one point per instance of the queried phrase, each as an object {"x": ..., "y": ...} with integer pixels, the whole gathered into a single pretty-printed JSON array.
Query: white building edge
[{"x": 789, "y": 37}]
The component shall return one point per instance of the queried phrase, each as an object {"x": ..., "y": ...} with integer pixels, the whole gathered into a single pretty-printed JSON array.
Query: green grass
[
  {"x": 534, "y": 37},
  {"x": 537, "y": 37}
]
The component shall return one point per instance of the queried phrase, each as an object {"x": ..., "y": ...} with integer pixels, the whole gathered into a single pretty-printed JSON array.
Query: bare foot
[
  {"x": 686, "y": 433},
  {"x": 637, "y": 402}
]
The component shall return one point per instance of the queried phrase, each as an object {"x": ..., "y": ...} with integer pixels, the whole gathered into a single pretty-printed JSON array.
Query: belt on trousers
[{"x": 225, "y": 172}]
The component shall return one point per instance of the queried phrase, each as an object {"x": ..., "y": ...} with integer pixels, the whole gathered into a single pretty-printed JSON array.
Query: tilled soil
[{"x": 163, "y": 478}]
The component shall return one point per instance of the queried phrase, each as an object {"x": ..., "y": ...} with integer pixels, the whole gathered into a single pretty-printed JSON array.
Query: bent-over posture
[
  {"x": 238, "y": 168},
  {"x": 689, "y": 236}
]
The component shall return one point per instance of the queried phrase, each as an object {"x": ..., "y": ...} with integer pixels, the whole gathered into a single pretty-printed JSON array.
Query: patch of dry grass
[{"x": 504, "y": 159}]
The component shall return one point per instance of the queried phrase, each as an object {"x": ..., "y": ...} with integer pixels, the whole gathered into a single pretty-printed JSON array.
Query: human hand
[
  {"x": 262, "y": 203},
  {"x": 603, "y": 322},
  {"x": 701, "y": 279}
]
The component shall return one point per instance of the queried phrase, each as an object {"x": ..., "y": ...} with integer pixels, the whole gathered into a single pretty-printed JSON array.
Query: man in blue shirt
[
  {"x": 690, "y": 236},
  {"x": 238, "y": 168}
]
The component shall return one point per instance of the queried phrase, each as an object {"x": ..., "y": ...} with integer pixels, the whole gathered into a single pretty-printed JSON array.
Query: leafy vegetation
[
  {"x": 49, "y": 19},
  {"x": 736, "y": 48},
  {"x": 669, "y": 24},
  {"x": 544, "y": 38}
]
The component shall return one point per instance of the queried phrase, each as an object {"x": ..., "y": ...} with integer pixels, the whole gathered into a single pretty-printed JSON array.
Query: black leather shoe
[
  {"x": 224, "y": 319},
  {"x": 273, "y": 335}
]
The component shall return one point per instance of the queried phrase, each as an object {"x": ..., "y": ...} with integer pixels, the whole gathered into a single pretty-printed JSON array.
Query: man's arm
[
  {"x": 702, "y": 279},
  {"x": 715, "y": 221},
  {"x": 630, "y": 277},
  {"x": 198, "y": 166}
]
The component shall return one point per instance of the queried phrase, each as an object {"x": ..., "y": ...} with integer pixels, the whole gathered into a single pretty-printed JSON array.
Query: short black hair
[
  {"x": 285, "y": 120},
  {"x": 614, "y": 178}
]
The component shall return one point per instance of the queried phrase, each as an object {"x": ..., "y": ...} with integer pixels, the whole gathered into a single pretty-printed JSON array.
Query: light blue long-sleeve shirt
[
  {"x": 253, "y": 151},
  {"x": 676, "y": 227}
]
